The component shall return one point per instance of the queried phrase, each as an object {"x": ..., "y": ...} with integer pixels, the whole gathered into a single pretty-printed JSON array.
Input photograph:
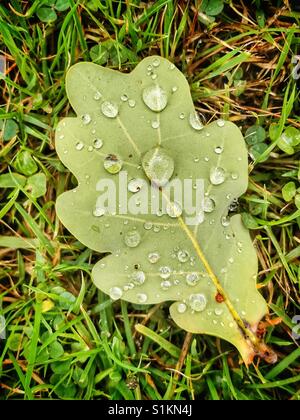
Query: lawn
[{"x": 60, "y": 337}]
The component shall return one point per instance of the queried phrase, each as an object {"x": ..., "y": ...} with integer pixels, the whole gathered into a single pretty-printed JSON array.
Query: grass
[{"x": 64, "y": 338}]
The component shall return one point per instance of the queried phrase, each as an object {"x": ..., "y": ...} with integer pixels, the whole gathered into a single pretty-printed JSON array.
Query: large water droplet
[
  {"x": 86, "y": 119},
  {"x": 221, "y": 123},
  {"x": 181, "y": 307},
  {"x": 112, "y": 164},
  {"x": 158, "y": 166},
  {"x": 109, "y": 109},
  {"x": 195, "y": 121},
  {"x": 135, "y": 185},
  {"x": 132, "y": 238},
  {"x": 115, "y": 293},
  {"x": 174, "y": 209},
  {"x": 208, "y": 205},
  {"x": 197, "y": 302},
  {"x": 192, "y": 278},
  {"x": 153, "y": 257},
  {"x": 217, "y": 175},
  {"x": 165, "y": 272},
  {"x": 183, "y": 255},
  {"x": 155, "y": 97},
  {"x": 138, "y": 277}
]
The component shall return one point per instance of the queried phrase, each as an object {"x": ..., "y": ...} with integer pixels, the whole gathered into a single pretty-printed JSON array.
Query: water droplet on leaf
[
  {"x": 158, "y": 166},
  {"x": 138, "y": 277},
  {"x": 165, "y": 272},
  {"x": 156, "y": 62},
  {"x": 153, "y": 257},
  {"x": 79, "y": 145},
  {"x": 183, "y": 255},
  {"x": 192, "y": 279},
  {"x": 98, "y": 212},
  {"x": 166, "y": 284},
  {"x": 97, "y": 143},
  {"x": 174, "y": 209},
  {"x": 218, "y": 311},
  {"x": 197, "y": 302},
  {"x": 132, "y": 238},
  {"x": 181, "y": 307},
  {"x": 109, "y": 109},
  {"x": 219, "y": 150},
  {"x": 112, "y": 164},
  {"x": 97, "y": 96},
  {"x": 115, "y": 293},
  {"x": 155, "y": 98},
  {"x": 208, "y": 205},
  {"x": 131, "y": 103},
  {"x": 86, "y": 119},
  {"x": 155, "y": 124},
  {"x": 135, "y": 185},
  {"x": 217, "y": 175},
  {"x": 142, "y": 297},
  {"x": 221, "y": 123},
  {"x": 225, "y": 221},
  {"x": 148, "y": 225},
  {"x": 195, "y": 121}
]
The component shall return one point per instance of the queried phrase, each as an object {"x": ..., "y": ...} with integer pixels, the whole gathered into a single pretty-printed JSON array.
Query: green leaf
[
  {"x": 274, "y": 131},
  {"x": 112, "y": 51},
  {"x": 62, "y": 5},
  {"x": 255, "y": 134},
  {"x": 289, "y": 191},
  {"x": 46, "y": 14},
  {"x": 25, "y": 164},
  {"x": 37, "y": 184},
  {"x": 239, "y": 87},
  {"x": 9, "y": 129},
  {"x": 257, "y": 150},
  {"x": 212, "y": 7},
  {"x": 60, "y": 368},
  {"x": 12, "y": 180},
  {"x": 56, "y": 350},
  {"x": 289, "y": 139},
  {"x": 260, "y": 17},
  {"x": 144, "y": 125},
  {"x": 297, "y": 201}
]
